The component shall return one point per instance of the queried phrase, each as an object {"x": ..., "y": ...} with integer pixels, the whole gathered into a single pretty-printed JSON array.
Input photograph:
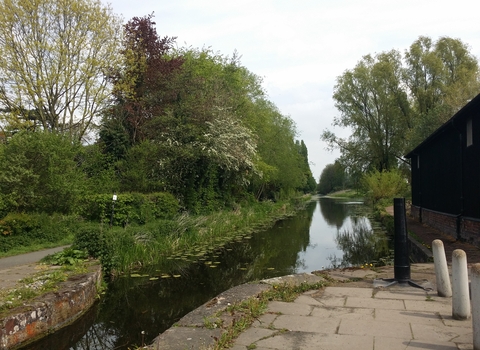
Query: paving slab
[
  {"x": 306, "y": 324},
  {"x": 375, "y": 328},
  {"x": 404, "y": 316},
  {"x": 316, "y": 341},
  {"x": 392, "y": 304}
]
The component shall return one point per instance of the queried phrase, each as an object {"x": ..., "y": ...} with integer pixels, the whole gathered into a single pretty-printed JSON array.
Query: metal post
[{"x": 402, "y": 256}]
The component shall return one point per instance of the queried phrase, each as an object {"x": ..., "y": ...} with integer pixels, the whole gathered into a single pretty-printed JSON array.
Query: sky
[{"x": 300, "y": 47}]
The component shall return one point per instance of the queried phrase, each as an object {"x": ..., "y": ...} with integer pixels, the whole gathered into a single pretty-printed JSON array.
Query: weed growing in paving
[{"x": 246, "y": 312}]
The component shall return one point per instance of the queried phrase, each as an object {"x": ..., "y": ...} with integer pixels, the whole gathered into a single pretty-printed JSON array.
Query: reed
[{"x": 133, "y": 247}]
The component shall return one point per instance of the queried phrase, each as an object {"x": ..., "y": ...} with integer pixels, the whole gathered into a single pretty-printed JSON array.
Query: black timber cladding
[{"x": 445, "y": 171}]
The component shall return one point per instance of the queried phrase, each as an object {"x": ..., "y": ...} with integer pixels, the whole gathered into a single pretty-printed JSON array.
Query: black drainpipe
[{"x": 460, "y": 215}]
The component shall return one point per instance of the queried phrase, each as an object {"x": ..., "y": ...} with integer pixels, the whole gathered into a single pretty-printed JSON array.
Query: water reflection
[
  {"x": 337, "y": 234},
  {"x": 360, "y": 245}
]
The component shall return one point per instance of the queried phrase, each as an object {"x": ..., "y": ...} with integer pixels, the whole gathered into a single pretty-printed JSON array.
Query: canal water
[{"x": 328, "y": 233}]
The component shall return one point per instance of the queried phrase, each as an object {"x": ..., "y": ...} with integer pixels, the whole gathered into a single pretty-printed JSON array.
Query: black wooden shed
[{"x": 446, "y": 175}]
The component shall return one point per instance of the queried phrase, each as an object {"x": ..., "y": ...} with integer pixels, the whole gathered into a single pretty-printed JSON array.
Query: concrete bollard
[
  {"x": 476, "y": 305},
  {"x": 461, "y": 296},
  {"x": 444, "y": 288}
]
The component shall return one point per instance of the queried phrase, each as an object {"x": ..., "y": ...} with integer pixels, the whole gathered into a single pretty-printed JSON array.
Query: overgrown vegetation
[
  {"x": 382, "y": 187},
  {"x": 186, "y": 139},
  {"x": 122, "y": 249}
]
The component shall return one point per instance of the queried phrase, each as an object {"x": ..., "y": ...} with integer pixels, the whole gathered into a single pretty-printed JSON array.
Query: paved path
[
  {"x": 359, "y": 318},
  {"x": 15, "y": 268},
  {"x": 354, "y": 315}
]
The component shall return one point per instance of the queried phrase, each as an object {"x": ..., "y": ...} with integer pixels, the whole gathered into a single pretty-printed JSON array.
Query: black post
[{"x": 402, "y": 256}]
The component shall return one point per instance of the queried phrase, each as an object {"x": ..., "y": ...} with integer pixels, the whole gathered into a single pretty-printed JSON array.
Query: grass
[
  {"x": 244, "y": 313},
  {"x": 135, "y": 247},
  {"x": 349, "y": 193},
  {"x": 36, "y": 247}
]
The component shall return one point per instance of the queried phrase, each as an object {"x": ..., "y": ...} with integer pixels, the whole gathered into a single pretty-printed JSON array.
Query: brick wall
[
  {"x": 469, "y": 227},
  {"x": 415, "y": 212},
  {"x": 51, "y": 311},
  {"x": 470, "y": 230},
  {"x": 444, "y": 222}
]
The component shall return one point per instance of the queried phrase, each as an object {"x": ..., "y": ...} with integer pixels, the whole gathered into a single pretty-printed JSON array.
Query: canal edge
[{"x": 51, "y": 311}]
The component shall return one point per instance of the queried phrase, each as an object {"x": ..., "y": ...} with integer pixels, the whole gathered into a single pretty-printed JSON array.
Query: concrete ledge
[
  {"x": 191, "y": 331},
  {"x": 50, "y": 312}
]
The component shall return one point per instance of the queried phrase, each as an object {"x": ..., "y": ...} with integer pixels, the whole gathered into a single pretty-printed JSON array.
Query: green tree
[
  {"x": 310, "y": 183},
  {"x": 441, "y": 78},
  {"x": 373, "y": 104},
  {"x": 393, "y": 103},
  {"x": 54, "y": 57},
  {"x": 279, "y": 160},
  {"x": 385, "y": 185},
  {"x": 39, "y": 173},
  {"x": 331, "y": 179}
]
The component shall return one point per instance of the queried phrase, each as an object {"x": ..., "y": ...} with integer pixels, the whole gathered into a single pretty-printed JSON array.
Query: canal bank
[
  {"x": 48, "y": 312},
  {"x": 353, "y": 311},
  {"x": 340, "y": 315},
  {"x": 259, "y": 257}
]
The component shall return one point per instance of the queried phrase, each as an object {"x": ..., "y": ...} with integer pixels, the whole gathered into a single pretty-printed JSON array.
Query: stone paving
[
  {"x": 355, "y": 312},
  {"x": 342, "y": 317}
]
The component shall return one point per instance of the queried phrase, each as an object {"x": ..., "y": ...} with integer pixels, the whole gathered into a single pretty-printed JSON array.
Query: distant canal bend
[{"x": 329, "y": 233}]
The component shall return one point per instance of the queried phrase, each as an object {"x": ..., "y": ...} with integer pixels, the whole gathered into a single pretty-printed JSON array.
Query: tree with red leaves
[{"x": 141, "y": 87}]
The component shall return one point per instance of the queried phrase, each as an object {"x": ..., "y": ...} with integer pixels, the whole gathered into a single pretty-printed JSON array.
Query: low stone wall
[
  {"x": 463, "y": 228},
  {"x": 51, "y": 311},
  {"x": 441, "y": 221},
  {"x": 470, "y": 230}
]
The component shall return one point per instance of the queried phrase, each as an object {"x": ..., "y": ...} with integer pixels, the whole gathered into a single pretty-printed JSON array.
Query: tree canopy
[
  {"x": 392, "y": 102},
  {"x": 191, "y": 122},
  {"x": 54, "y": 58}
]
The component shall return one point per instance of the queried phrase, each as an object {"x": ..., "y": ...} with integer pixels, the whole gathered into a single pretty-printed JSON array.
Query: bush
[
  {"x": 134, "y": 208},
  {"x": 38, "y": 173},
  {"x": 23, "y": 230},
  {"x": 91, "y": 238},
  {"x": 382, "y": 187}
]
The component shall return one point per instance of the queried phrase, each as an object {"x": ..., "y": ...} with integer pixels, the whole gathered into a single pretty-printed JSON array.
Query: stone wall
[{"x": 51, "y": 311}]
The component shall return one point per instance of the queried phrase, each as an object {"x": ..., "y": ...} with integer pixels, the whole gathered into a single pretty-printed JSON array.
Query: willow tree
[
  {"x": 391, "y": 103},
  {"x": 54, "y": 59},
  {"x": 442, "y": 77},
  {"x": 373, "y": 104}
]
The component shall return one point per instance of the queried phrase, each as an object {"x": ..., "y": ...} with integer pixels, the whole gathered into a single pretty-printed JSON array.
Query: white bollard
[
  {"x": 461, "y": 296},
  {"x": 444, "y": 288},
  {"x": 476, "y": 305}
]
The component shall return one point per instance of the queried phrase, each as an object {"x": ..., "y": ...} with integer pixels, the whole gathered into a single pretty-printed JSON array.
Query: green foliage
[
  {"x": 393, "y": 102},
  {"x": 129, "y": 208},
  {"x": 20, "y": 229},
  {"x": 331, "y": 179},
  {"x": 53, "y": 63},
  {"x": 92, "y": 239},
  {"x": 68, "y": 256},
  {"x": 98, "y": 168},
  {"x": 382, "y": 187},
  {"x": 38, "y": 173},
  {"x": 310, "y": 184}
]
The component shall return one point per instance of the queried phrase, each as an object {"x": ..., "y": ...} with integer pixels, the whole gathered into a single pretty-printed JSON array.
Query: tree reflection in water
[{"x": 360, "y": 245}]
